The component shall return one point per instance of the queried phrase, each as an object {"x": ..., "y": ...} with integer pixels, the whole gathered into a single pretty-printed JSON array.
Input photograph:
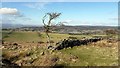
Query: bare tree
[{"x": 47, "y": 25}]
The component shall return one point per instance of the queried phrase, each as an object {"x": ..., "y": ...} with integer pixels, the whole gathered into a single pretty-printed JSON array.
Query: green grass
[
  {"x": 93, "y": 56},
  {"x": 23, "y": 37},
  {"x": 4, "y": 34},
  {"x": 87, "y": 55},
  {"x": 33, "y": 36}
]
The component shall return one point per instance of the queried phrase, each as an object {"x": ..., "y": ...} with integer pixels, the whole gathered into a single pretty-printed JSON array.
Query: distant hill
[
  {"x": 62, "y": 29},
  {"x": 88, "y": 27},
  {"x": 10, "y": 25},
  {"x": 83, "y": 27},
  {"x": 67, "y": 29},
  {"x": 58, "y": 28},
  {"x": 7, "y": 25}
]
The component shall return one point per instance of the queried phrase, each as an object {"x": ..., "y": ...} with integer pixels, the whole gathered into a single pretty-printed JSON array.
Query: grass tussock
[{"x": 101, "y": 53}]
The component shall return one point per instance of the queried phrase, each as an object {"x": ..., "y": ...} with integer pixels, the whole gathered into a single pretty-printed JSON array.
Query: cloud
[
  {"x": 12, "y": 15},
  {"x": 11, "y": 12},
  {"x": 68, "y": 21},
  {"x": 8, "y": 11},
  {"x": 39, "y": 5},
  {"x": 87, "y": 22}
]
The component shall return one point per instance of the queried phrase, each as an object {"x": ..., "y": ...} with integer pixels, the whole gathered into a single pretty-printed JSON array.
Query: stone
[
  {"x": 42, "y": 53},
  {"x": 15, "y": 43},
  {"x": 74, "y": 42},
  {"x": 50, "y": 47},
  {"x": 40, "y": 42}
]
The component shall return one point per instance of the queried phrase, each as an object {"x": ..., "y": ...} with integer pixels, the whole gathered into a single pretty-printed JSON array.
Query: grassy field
[
  {"x": 34, "y": 36},
  {"x": 29, "y": 52}
]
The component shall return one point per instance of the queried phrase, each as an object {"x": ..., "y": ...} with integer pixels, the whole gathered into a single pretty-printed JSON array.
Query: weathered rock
[
  {"x": 40, "y": 42},
  {"x": 8, "y": 64},
  {"x": 42, "y": 53},
  {"x": 3, "y": 41},
  {"x": 50, "y": 47},
  {"x": 15, "y": 43},
  {"x": 74, "y": 42}
]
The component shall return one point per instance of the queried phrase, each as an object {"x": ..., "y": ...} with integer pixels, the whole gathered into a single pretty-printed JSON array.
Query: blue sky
[
  {"x": 59, "y": 0},
  {"x": 75, "y": 13}
]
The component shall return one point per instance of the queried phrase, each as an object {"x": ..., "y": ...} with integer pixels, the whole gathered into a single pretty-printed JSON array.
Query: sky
[
  {"x": 60, "y": 0},
  {"x": 74, "y": 13}
]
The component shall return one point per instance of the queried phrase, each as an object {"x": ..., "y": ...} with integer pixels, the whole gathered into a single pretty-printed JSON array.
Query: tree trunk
[{"x": 48, "y": 39}]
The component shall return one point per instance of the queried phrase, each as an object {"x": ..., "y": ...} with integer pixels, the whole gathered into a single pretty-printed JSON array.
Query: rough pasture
[{"x": 28, "y": 53}]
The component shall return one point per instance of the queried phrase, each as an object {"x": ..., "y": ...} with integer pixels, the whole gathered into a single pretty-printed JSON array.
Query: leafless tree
[{"x": 47, "y": 25}]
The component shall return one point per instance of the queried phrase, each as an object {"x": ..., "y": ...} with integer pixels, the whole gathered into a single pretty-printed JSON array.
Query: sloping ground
[
  {"x": 102, "y": 53},
  {"x": 95, "y": 54},
  {"x": 23, "y": 37},
  {"x": 77, "y": 56},
  {"x": 33, "y": 38}
]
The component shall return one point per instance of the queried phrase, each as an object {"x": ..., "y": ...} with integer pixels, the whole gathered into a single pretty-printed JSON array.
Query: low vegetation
[{"x": 29, "y": 49}]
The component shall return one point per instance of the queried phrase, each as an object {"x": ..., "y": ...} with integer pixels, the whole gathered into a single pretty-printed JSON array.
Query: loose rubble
[{"x": 74, "y": 42}]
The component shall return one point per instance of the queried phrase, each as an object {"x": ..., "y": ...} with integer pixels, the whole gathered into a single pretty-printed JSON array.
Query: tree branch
[{"x": 43, "y": 20}]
